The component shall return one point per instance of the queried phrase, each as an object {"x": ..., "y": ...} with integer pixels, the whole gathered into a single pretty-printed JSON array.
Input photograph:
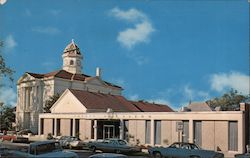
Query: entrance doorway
[{"x": 108, "y": 131}]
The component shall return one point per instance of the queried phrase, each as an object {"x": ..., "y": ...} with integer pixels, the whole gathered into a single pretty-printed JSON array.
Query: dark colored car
[
  {"x": 183, "y": 150},
  {"x": 113, "y": 145}
]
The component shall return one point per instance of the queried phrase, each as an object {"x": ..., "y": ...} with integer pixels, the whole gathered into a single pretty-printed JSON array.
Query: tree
[
  {"x": 228, "y": 101},
  {"x": 7, "y": 117},
  {"x": 5, "y": 71},
  {"x": 50, "y": 102}
]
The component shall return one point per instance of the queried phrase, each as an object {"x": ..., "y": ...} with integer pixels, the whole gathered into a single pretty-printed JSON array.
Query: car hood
[{"x": 59, "y": 154}]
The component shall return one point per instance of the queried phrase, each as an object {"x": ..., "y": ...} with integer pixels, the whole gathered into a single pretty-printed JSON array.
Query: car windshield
[
  {"x": 47, "y": 148},
  {"x": 175, "y": 145},
  {"x": 122, "y": 142},
  {"x": 193, "y": 146}
]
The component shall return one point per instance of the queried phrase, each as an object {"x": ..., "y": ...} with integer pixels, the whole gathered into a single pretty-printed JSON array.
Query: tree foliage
[
  {"x": 50, "y": 102},
  {"x": 7, "y": 117},
  {"x": 227, "y": 102},
  {"x": 5, "y": 71}
]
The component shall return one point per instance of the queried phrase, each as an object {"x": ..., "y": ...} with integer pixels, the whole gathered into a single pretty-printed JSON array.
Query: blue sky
[{"x": 161, "y": 51}]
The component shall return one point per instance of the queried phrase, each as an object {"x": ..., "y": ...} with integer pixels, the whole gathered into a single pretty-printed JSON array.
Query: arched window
[{"x": 71, "y": 62}]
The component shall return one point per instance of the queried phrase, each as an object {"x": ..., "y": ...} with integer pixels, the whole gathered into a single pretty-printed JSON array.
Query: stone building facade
[{"x": 34, "y": 89}]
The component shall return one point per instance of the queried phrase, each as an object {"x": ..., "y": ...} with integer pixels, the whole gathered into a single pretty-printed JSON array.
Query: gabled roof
[
  {"x": 151, "y": 107},
  {"x": 72, "y": 49},
  {"x": 68, "y": 76},
  {"x": 199, "y": 106},
  {"x": 101, "y": 102}
]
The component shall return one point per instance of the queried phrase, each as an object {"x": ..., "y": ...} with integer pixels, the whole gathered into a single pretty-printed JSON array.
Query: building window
[
  {"x": 148, "y": 131},
  {"x": 233, "y": 136},
  {"x": 77, "y": 134},
  {"x": 71, "y": 62},
  {"x": 157, "y": 132},
  {"x": 92, "y": 129},
  {"x": 71, "y": 127},
  {"x": 126, "y": 133},
  {"x": 185, "y": 132},
  {"x": 198, "y": 133},
  {"x": 58, "y": 124},
  {"x": 42, "y": 126}
]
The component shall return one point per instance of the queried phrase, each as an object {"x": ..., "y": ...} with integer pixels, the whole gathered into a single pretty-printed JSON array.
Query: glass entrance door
[{"x": 108, "y": 131}]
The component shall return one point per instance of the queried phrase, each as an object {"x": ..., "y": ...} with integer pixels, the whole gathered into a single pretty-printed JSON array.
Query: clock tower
[{"x": 72, "y": 59}]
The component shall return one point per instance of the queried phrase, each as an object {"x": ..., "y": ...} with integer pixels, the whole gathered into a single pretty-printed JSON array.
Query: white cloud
[
  {"x": 2, "y": 2},
  {"x": 130, "y": 15},
  {"x": 7, "y": 96},
  {"x": 222, "y": 82},
  {"x": 118, "y": 81},
  {"x": 132, "y": 36},
  {"x": 194, "y": 95},
  {"x": 46, "y": 30},
  {"x": 141, "y": 31},
  {"x": 159, "y": 101},
  {"x": 10, "y": 42}
]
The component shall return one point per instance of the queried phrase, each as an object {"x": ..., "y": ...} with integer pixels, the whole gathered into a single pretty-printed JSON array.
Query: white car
[
  {"x": 71, "y": 142},
  {"x": 108, "y": 155}
]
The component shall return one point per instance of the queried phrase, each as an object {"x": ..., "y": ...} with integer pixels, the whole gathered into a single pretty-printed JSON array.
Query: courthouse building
[{"x": 92, "y": 109}]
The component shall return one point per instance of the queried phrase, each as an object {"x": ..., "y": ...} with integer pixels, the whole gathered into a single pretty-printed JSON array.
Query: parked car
[
  {"x": 25, "y": 132},
  {"x": 183, "y": 150},
  {"x": 13, "y": 138},
  {"x": 246, "y": 155},
  {"x": 71, "y": 142},
  {"x": 108, "y": 155},
  {"x": 43, "y": 149},
  {"x": 113, "y": 145}
]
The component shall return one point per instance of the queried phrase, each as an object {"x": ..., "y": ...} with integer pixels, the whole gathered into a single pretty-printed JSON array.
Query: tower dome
[{"x": 72, "y": 58}]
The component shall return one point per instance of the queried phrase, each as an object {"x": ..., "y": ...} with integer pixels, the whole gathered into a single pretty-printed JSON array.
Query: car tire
[
  {"x": 157, "y": 155},
  {"x": 93, "y": 149}
]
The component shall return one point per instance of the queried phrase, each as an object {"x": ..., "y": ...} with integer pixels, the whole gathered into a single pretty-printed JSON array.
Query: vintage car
[
  {"x": 43, "y": 149},
  {"x": 71, "y": 142},
  {"x": 112, "y": 145},
  {"x": 108, "y": 155},
  {"x": 183, "y": 150},
  {"x": 246, "y": 155}
]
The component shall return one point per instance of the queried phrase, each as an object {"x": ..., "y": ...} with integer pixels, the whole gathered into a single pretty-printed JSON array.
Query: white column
[
  {"x": 152, "y": 132},
  {"x": 39, "y": 126},
  {"x": 74, "y": 127},
  {"x": 55, "y": 126},
  {"x": 191, "y": 131},
  {"x": 95, "y": 129},
  {"x": 241, "y": 134},
  {"x": 121, "y": 127}
]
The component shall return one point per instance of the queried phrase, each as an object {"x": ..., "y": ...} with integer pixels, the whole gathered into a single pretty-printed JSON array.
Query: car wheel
[
  {"x": 157, "y": 155},
  {"x": 70, "y": 146},
  {"x": 117, "y": 151},
  {"x": 93, "y": 149}
]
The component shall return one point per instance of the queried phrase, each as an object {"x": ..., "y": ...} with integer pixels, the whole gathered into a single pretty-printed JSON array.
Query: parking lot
[{"x": 81, "y": 153}]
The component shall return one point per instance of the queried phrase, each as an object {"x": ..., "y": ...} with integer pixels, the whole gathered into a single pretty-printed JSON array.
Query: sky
[{"x": 163, "y": 51}]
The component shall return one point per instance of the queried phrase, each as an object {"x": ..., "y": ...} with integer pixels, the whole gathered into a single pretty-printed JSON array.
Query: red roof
[
  {"x": 151, "y": 107},
  {"x": 101, "y": 102},
  {"x": 68, "y": 76}
]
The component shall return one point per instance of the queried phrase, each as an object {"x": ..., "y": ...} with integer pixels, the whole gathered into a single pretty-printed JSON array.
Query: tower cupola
[{"x": 72, "y": 58}]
